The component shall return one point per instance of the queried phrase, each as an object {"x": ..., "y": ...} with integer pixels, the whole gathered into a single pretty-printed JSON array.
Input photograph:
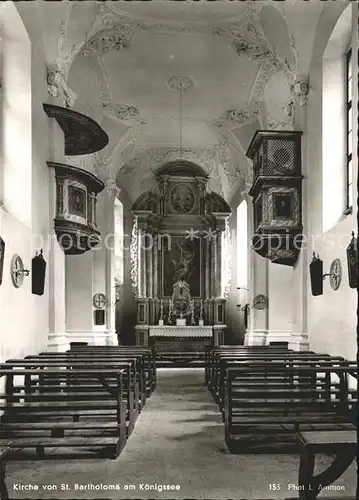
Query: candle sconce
[
  {"x": 317, "y": 276},
  {"x": 17, "y": 271},
  {"x": 245, "y": 309}
]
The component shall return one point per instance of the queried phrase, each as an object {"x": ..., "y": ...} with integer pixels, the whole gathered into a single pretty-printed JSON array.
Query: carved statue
[{"x": 181, "y": 298}]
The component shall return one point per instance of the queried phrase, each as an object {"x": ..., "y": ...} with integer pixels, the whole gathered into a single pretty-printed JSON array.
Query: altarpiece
[{"x": 179, "y": 255}]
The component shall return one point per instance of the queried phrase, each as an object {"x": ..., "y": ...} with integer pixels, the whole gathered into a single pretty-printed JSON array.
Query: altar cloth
[{"x": 180, "y": 331}]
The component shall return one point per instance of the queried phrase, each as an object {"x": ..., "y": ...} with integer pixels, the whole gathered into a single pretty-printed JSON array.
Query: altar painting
[{"x": 181, "y": 262}]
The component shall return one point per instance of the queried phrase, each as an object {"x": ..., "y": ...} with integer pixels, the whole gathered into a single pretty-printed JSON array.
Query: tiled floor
[{"x": 179, "y": 441}]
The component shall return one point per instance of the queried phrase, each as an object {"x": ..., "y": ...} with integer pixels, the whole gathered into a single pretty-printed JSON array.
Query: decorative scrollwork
[
  {"x": 117, "y": 38},
  {"x": 57, "y": 87}
]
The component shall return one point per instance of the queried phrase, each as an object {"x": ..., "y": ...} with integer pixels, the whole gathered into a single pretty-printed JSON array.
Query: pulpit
[{"x": 176, "y": 260}]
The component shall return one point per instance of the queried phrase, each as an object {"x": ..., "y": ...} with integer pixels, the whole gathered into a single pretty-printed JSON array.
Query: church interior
[{"x": 179, "y": 224}]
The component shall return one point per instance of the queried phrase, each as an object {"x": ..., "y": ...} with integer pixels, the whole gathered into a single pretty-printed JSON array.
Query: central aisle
[{"x": 178, "y": 440}]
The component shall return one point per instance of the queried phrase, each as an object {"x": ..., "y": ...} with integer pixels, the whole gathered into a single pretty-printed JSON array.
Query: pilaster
[{"x": 57, "y": 338}]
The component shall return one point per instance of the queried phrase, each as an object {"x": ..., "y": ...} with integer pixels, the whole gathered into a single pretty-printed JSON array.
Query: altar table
[{"x": 215, "y": 333}]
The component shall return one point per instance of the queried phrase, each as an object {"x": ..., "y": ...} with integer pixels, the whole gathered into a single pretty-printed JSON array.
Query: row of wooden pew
[
  {"x": 89, "y": 397},
  {"x": 276, "y": 400}
]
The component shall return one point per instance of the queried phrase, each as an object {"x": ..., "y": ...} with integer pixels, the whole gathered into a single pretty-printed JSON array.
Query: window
[
  {"x": 242, "y": 245},
  {"x": 349, "y": 133},
  {"x": 119, "y": 240},
  {"x": 337, "y": 136}
]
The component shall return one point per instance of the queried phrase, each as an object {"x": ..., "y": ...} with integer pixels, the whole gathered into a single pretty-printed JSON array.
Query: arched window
[
  {"x": 119, "y": 238},
  {"x": 337, "y": 123},
  {"x": 349, "y": 131},
  {"x": 242, "y": 245}
]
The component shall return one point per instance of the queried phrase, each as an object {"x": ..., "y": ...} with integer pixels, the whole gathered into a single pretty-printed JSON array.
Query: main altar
[{"x": 177, "y": 256}]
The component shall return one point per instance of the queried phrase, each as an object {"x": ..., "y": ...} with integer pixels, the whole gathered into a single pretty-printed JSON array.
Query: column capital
[{"x": 111, "y": 188}]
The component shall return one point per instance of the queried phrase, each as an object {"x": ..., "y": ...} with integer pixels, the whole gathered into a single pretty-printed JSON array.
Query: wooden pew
[
  {"x": 49, "y": 389},
  {"x": 213, "y": 354},
  {"x": 138, "y": 372},
  {"x": 216, "y": 355},
  {"x": 4, "y": 451},
  {"x": 32, "y": 420},
  {"x": 343, "y": 443},
  {"x": 218, "y": 382},
  {"x": 266, "y": 418},
  {"x": 148, "y": 353}
]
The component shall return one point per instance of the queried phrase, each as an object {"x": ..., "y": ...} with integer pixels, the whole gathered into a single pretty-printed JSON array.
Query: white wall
[
  {"x": 24, "y": 225},
  {"x": 331, "y": 318}
]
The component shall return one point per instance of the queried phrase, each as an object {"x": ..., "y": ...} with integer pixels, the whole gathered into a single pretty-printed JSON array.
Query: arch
[{"x": 181, "y": 167}]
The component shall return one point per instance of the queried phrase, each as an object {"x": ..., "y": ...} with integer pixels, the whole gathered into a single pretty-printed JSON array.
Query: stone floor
[{"x": 179, "y": 441}]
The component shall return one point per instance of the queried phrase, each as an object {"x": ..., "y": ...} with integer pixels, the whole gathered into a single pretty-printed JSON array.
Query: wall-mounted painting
[
  {"x": 2, "y": 252},
  {"x": 182, "y": 262},
  {"x": 77, "y": 201}
]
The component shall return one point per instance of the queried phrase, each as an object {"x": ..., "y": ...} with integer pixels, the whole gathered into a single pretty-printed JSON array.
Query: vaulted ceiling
[{"x": 169, "y": 80}]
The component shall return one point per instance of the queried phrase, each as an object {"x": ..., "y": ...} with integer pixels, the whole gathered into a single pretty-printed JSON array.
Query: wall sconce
[
  {"x": 38, "y": 268},
  {"x": 242, "y": 308},
  {"x": 317, "y": 277},
  {"x": 352, "y": 258},
  {"x": 245, "y": 309},
  {"x": 117, "y": 299}
]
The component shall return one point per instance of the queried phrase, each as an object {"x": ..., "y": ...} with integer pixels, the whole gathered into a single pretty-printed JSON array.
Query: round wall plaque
[
  {"x": 335, "y": 274},
  {"x": 260, "y": 302},
  {"x": 17, "y": 271},
  {"x": 182, "y": 198},
  {"x": 99, "y": 300}
]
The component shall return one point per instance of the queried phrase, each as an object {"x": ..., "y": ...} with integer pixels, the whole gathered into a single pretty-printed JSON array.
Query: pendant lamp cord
[{"x": 181, "y": 122}]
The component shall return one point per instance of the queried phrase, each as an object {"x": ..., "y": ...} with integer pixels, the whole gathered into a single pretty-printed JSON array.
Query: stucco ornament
[
  {"x": 231, "y": 170},
  {"x": 300, "y": 91},
  {"x": 117, "y": 38},
  {"x": 274, "y": 124},
  {"x": 121, "y": 111},
  {"x": 180, "y": 82},
  {"x": 235, "y": 116},
  {"x": 57, "y": 87},
  {"x": 103, "y": 168},
  {"x": 111, "y": 187}
]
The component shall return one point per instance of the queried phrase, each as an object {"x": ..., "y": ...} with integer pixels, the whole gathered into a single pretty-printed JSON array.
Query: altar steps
[{"x": 180, "y": 359}]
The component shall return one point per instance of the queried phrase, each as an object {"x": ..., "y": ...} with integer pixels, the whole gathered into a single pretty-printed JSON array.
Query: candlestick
[{"x": 161, "y": 309}]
